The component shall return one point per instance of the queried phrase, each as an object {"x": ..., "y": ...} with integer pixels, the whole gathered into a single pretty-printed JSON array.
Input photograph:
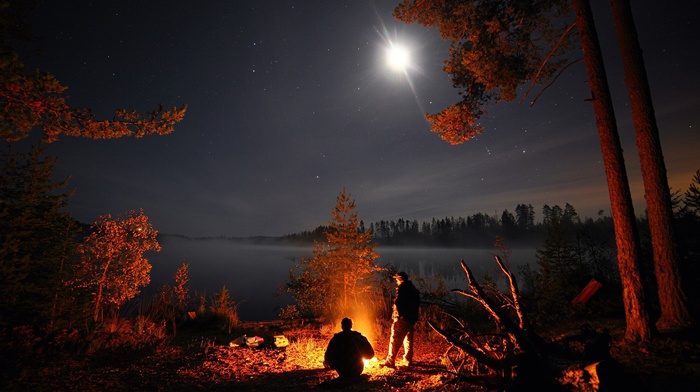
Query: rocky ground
[{"x": 204, "y": 364}]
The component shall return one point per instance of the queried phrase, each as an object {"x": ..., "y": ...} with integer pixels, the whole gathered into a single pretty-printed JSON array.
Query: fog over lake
[{"x": 252, "y": 273}]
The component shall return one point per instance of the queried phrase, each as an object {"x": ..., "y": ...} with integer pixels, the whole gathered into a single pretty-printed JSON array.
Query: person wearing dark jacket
[
  {"x": 405, "y": 315},
  {"x": 346, "y": 351}
]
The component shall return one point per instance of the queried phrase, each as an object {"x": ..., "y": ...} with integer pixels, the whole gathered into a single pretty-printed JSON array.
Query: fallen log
[{"x": 525, "y": 360}]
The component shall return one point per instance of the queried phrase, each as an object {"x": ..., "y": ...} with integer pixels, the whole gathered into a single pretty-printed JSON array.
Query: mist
[{"x": 253, "y": 273}]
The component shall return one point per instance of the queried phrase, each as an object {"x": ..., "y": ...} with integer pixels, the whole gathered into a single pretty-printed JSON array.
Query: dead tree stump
[{"x": 523, "y": 360}]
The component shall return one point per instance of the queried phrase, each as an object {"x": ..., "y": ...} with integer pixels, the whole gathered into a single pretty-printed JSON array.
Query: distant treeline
[
  {"x": 478, "y": 230},
  {"x": 516, "y": 229}
]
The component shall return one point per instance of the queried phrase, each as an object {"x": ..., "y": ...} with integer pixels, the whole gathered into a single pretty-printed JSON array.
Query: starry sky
[{"x": 290, "y": 101}]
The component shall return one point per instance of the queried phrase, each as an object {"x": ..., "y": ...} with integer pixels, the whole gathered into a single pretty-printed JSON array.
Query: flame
[
  {"x": 365, "y": 322},
  {"x": 370, "y": 363},
  {"x": 362, "y": 323}
]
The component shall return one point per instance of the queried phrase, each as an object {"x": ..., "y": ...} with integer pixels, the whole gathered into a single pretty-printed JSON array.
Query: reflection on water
[{"x": 252, "y": 273}]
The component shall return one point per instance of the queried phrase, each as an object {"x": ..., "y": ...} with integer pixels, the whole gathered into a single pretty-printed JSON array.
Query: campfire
[{"x": 307, "y": 352}]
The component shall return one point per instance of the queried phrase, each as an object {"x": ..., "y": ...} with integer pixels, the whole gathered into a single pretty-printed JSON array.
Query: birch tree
[{"x": 113, "y": 266}]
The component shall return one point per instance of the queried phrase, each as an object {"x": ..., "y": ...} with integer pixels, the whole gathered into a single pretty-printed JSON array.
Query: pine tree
[
  {"x": 36, "y": 239},
  {"x": 672, "y": 300},
  {"x": 181, "y": 291},
  {"x": 341, "y": 274},
  {"x": 691, "y": 199},
  {"x": 497, "y": 46},
  {"x": 557, "y": 262},
  {"x": 225, "y": 307}
]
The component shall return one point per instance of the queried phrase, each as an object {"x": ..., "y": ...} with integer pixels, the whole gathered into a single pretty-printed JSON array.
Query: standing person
[
  {"x": 346, "y": 351},
  {"x": 405, "y": 315}
]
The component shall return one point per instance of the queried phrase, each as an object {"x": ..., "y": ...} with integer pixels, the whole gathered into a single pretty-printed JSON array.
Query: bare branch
[
  {"x": 493, "y": 363},
  {"x": 554, "y": 80},
  {"x": 546, "y": 60},
  {"x": 515, "y": 294}
]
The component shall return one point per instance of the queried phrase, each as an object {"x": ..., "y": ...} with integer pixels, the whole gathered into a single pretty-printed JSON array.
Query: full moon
[{"x": 397, "y": 57}]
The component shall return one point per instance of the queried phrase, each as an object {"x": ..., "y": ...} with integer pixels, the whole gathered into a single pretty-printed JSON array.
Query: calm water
[{"x": 253, "y": 273}]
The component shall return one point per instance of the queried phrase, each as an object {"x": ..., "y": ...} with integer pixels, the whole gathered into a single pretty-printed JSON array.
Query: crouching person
[{"x": 346, "y": 351}]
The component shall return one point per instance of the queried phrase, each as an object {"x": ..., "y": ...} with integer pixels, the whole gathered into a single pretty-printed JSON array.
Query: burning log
[{"x": 522, "y": 359}]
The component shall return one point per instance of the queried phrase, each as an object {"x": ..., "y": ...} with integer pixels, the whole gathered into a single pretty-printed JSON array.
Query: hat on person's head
[{"x": 401, "y": 275}]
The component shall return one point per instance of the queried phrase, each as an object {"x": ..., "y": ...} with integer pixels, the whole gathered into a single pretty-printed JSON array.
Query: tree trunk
[
  {"x": 100, "y": 285},
  {"x": 98, "y": 300},
  {"x": 672, "y": 299},
  {"x": 638, "y": 327}
]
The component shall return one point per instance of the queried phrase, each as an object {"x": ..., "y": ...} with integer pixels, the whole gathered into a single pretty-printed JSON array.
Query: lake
[{"x": 252, "y": 273}]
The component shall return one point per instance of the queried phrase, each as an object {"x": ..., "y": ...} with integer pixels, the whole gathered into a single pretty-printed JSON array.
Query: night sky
[{"x": 290, "y": 101}]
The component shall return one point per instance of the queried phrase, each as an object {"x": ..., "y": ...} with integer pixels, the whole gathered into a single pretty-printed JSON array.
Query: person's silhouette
[{"x": 346, "y": 351}]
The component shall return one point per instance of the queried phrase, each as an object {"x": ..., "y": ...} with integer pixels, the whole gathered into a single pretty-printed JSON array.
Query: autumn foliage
[
  {"x": 495, "y": 48},
  {"x": 112, "y": 264},
  {"x": 37, "y": 99}
]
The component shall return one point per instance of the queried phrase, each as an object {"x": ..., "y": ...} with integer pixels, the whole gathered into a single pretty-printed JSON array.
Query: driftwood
[{"x": 521, "y": 359}]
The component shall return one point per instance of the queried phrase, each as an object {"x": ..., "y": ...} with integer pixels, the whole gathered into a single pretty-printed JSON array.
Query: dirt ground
[
  {"x": 191, "y": 364},
  {"x": 206, "y": 366}
]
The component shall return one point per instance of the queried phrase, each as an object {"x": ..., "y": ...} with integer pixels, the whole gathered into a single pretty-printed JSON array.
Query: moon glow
[{"x": 397, "y": 57}]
